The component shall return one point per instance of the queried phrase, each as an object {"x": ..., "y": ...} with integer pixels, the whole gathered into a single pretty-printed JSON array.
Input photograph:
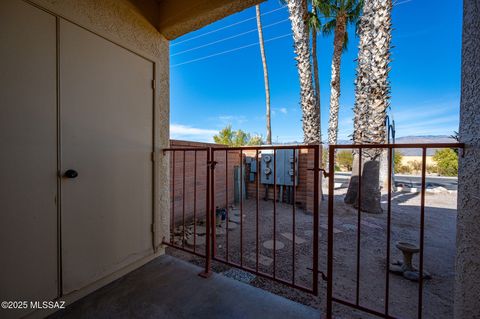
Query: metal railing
[
  {"x": 211, "y": 164},
  {"x": 331, "y": 299},
  {"x": 218, "y": 179},
  {"x": 315, "y": 225}
]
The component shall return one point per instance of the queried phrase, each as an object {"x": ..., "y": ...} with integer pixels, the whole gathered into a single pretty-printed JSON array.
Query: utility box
[{"x": 286, "y": 160}]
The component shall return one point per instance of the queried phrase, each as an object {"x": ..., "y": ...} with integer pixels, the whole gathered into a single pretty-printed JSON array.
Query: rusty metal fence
[
  {"x": 216, "y": 164},
  {"x": 359, "y": 149},
  {"x": 212, "y": 171}
]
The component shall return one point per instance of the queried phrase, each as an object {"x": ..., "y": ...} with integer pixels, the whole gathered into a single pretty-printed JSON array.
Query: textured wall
[
  {"x": 467, "y": 288},
  {"x": 132, "y": 25}
]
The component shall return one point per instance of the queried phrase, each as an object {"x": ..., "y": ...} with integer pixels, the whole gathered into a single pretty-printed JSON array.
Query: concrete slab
[
  {"x": 169, "y": 288},
  {"x": 269, "y": 244},
  {"x": 335, "y": 230},
  {"x": 262, "y": 260},
  {"x": 289, "y": 236}
]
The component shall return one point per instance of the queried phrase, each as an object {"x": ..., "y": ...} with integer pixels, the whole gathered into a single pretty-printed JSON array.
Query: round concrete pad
[
  {"x": 198, "y": 242},
  {"x": 269, "y": 244},
  {"x": 201, "y": 230}
]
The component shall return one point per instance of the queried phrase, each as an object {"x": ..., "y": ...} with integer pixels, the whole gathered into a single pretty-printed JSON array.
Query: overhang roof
[{"x": 178, "y": 17}]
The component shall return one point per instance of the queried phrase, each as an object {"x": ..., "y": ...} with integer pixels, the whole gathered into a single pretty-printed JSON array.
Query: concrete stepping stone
[
  {"x": 335, "y": 230},
  {"x": 200, "y": 230},
  {"x": 262, "y": 260},
  {"x": 269, "y": 244},
  {"x": 289, "y": 236},
  {"x": 200, "y": 240}
]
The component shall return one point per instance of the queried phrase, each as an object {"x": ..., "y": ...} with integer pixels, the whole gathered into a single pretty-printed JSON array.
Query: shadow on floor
[{"x": 170, "y": 288}]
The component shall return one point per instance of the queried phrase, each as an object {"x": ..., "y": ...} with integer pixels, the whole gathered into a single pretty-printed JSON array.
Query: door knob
[{"x": 71, "y": 173}]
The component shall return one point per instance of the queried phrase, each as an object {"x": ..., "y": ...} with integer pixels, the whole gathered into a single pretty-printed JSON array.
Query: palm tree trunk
[
  {"x": 301, "y": 39},
  {"x": 467, "y": 280},
  {"x": 372, "y": 95},
  {"x": 265, "y": 75},
  {"x": 316, "y": 78},
  {"x": 338, "y": 43}
]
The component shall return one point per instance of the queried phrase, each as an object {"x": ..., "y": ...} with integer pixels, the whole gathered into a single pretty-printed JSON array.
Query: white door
[
  {"x": 28, "y": 155},
  {"x": 106, "y": 99}
]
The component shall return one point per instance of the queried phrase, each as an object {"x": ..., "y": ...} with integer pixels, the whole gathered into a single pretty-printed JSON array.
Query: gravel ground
[{"x": 440, "y": 223}]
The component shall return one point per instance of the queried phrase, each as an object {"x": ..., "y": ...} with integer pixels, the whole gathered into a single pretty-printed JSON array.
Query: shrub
[
  {"x": 345, "y": 160},
  {"x": 397, "y": 161},
  {"x": 447, "y": 162}
]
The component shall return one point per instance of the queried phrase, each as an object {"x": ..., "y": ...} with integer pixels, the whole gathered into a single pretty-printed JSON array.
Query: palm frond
[
  {"x": 313, "y": 21},
  {"x": 329, "y": 27}
]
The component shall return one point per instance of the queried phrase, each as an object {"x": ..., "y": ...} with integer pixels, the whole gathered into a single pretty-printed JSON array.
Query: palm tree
[
  {"x": 265, "y": 75},
  {"x": 315, "y": 25},
  {"x": 310, "y": 112},
  {"x": 372, "y": 98},
  {"x": 342, "y": 13}
]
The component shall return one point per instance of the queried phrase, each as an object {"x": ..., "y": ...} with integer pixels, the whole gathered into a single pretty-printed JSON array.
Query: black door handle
[{"x": 71, "y": 173}]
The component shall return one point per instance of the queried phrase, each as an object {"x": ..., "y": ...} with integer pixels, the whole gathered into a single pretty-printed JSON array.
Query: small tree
[
  {"x": 229, "y": 137},
  {"x": 447, "y": 162}
]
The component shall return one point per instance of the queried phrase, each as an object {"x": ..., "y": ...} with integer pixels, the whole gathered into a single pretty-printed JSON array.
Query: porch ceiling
[{"x": 177, "y": 18}]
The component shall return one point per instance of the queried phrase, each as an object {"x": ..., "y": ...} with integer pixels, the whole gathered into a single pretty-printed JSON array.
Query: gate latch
[{"x": 325, "y": 173}]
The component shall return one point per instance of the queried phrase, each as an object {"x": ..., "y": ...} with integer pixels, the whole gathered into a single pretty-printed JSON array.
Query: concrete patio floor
[{"x": 170, "y": 288}]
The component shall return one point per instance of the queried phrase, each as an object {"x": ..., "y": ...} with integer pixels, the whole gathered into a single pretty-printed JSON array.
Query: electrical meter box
[{"x": 286, "y": 160}]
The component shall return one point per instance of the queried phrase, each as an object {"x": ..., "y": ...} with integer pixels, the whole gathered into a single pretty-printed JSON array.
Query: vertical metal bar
[
  {"x": 213, "y": 207},
  {"x": 226, "y": 203},
  {"x": 389, "y": 222},
  {"x": 359, "y": 228},
  {"x": 173, "y": 199},
  {"x": 257, "y": 196},
  {"x": 293, "y": 213},
  {"x": 183, "y": 200},
  {"x": 331, "y": 177},
  {"x": 422, "y": 232},
  {"x": 316, "y": 191},
  {"x": 241, "y": 207},
  {"x": 208, "y": 247},
  {"x": 195, "y": 201},
  {"x": 274, "y": 210}
]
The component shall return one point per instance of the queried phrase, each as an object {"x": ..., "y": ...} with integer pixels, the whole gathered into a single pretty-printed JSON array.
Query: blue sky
[{"x": 217, "y": 78}]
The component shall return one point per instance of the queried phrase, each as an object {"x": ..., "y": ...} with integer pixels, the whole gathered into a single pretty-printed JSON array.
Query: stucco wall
[
  {"x": 131, "y": 25},
  {"x": 467, "y": 283}
]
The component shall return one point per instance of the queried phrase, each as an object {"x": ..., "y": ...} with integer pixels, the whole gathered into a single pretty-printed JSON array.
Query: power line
[
  {"x": 225, "y": 27},
  {"x": 237, "y": 35},
  {"x": 231, "y": 50},
  {"x": 401, "y": 2},
  {"x": 228, "y": 38}
]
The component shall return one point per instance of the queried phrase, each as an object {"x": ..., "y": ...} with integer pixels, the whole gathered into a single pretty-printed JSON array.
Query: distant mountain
[
  {"x": 425, "y": 139},
  {"x": 420, "y": 139}
]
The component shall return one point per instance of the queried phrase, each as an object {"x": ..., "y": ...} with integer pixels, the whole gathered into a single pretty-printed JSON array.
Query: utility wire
[
  {"x": 228, "y": 38},
  {"x": 237, "y": 35},
  {"x": 225, "y": 27},
  {"x": 231, "y": 50}
]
